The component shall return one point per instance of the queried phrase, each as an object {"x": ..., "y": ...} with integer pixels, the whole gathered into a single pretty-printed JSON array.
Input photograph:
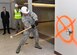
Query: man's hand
[
  {"x": 33, "y": 26},
  {"x": 36, "y": 23}
]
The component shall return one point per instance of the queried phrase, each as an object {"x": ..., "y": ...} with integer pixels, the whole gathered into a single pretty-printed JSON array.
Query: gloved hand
[
  {"x": 36, "y": 23},
  {"x": 33, "y": 26}
]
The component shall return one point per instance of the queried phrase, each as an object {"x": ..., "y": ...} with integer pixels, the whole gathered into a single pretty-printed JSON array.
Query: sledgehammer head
[{"x": 11, "y": 36}]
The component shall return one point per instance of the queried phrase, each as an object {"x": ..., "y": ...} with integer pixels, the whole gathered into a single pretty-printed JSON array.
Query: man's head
[
  {"x": 24, "y": 10},
  {"x": 4, "y": 8},
  {"x": 16, "y": 5}
]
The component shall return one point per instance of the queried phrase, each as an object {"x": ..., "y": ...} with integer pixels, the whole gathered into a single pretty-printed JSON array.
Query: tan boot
[{"x": 18, "y": 49}]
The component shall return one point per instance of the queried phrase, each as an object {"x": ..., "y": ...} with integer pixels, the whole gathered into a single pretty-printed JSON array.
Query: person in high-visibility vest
[{"x": 17, "y": 17}]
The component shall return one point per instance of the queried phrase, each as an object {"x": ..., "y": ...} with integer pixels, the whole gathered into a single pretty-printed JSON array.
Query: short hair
[{"x": 4, "y": 7}]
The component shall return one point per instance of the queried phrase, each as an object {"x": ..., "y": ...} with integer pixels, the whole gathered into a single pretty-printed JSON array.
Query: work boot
[
  {"x": 18, "y": 49},
  {"x": 31, "y": 37},
  {"x": 4, "y": 33},
  {"x": 9, "y": 33},
  {"x": 37, "y": 46}
]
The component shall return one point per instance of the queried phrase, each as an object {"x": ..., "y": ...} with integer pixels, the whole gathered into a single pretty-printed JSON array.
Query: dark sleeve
[
  {"x": 1, "y": 14},
  {"x": 8, "y": 14}
]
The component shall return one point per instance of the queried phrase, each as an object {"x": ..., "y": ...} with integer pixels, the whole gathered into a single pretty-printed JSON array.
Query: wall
[
  {"x": 66, "y": 27},
  {"x": 44, "y": 14},
  {"x": 5, "y": 0}
]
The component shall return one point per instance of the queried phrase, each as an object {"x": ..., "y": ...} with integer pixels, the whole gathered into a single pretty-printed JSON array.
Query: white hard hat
[
  {"x": 24, "y": 9},
  {"x": 16, "y": 5}
]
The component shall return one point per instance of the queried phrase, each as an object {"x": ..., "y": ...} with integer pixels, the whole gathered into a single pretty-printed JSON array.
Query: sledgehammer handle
[{"x": 22, "y": 31}]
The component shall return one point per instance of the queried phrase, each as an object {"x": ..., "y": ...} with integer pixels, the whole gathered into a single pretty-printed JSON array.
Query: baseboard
[
  {"x": 10, "y": 28},
  {"x": 57, "y": 53}
]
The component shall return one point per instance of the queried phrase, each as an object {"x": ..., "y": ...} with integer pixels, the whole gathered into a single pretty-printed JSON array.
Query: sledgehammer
[{"x": 20, "y": 32}]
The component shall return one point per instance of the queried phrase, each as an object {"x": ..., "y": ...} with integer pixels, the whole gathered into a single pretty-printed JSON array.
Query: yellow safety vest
[{"x": 17, "y": 14}]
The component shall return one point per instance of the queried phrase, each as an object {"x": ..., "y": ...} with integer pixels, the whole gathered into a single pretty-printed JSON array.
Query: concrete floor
[{"x": 8, "y": 46}]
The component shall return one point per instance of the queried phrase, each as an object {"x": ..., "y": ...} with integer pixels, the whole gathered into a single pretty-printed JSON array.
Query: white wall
[
  {"x": 68, "y": 8},
  {"x": 12, "y": 14},
  {"x": 30, "y": 5},
  {"x": 5, "y": 0}
]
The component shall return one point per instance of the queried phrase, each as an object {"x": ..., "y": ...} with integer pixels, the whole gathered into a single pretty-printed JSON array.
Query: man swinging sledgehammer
[{"x": 28, "y": 22}]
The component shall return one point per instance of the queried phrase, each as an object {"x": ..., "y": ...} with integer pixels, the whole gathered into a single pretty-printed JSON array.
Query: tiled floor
[{"x": 8, "y": 46}]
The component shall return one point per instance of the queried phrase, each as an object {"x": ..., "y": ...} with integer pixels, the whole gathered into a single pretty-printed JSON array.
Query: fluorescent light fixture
[{"x": 42, "y": 5}]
